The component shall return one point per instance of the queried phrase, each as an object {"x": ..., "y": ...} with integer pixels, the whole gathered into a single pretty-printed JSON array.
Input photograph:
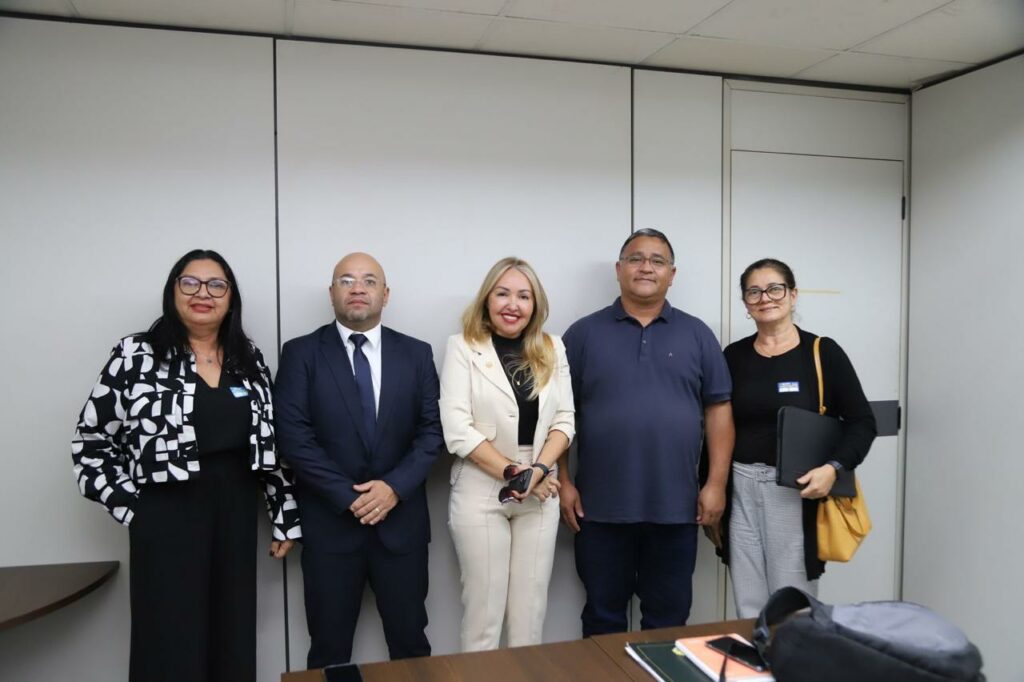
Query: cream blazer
[{"x": 477, "y": 402}]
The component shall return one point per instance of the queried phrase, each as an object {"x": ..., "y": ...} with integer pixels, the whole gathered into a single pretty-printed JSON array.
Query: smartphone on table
[{"x": 739, "y": 651}]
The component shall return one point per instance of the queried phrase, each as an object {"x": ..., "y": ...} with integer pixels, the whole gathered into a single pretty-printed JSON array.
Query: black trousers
[
  {"x": 653, "y": 561},
  {"x": 333, "y": 587},
  {"x": 193, "y": 576}
]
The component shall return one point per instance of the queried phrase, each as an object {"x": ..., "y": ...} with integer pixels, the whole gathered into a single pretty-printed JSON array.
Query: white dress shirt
[{"x": 371, "y": 349}]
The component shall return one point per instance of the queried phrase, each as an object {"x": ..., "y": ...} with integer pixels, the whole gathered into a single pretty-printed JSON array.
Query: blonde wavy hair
[{"x": 538, "y": 361}]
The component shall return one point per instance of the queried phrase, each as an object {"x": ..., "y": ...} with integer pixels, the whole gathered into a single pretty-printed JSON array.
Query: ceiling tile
[
  {"x": 873, "y": 69},
  {"x": 963, "y": 31},
  {"x": 828, "y": 24},
  {"x": 260, "y": 16},
  {"x": 381, "y": 24},
  {"x": 60, "y": 8},
  {"x": 733, "y": 56},
  {"x": 669, "y": 16},
  {"x": 490, "y": 7},
  {"x": 522, "y": 36}
]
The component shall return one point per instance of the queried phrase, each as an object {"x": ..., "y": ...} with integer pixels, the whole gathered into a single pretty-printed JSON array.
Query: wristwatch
[{"x": 835, "y": 465}]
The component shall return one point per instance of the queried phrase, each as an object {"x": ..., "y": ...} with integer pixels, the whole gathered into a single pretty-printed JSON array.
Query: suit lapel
[
  {"x": 392, "y": 372},
  {"x": 341, "y": 370},
  {"x": 486, "y": 360}
]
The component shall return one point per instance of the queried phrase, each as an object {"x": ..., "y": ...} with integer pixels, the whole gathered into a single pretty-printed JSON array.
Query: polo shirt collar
[{"x": 621, "y": 314}]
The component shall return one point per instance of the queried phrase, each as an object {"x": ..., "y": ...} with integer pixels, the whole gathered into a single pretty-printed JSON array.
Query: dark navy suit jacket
[{"x": 321, "y": 434}]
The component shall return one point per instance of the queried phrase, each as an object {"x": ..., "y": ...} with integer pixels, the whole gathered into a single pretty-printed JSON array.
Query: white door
[{"x": 837, "y": 222}]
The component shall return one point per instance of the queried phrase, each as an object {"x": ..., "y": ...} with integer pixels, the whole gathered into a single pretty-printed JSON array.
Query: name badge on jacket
[
  {"x": 789, "y": 387},
  {"x": 239, "y": 391}
]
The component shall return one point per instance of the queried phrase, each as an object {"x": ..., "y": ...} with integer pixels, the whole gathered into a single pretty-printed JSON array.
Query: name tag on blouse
[
  {"x": 239, "y": 391},
  {"x": 789, "y": 387}
]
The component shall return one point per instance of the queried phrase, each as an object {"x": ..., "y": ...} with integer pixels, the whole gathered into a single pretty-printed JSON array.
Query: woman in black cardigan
[{"x": 770, "y": 529}]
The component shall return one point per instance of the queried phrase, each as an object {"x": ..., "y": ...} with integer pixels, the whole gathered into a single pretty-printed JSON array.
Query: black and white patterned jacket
[{"x": 136, "y": 429}]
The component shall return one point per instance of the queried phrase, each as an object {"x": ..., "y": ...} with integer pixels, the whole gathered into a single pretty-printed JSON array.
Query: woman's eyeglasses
[
  {"x": 775, "y": 292},
  {"x": 216, "y": 287}
]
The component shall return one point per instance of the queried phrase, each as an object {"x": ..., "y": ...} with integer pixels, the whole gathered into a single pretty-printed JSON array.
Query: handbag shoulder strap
[{"x": 821, "y": 380}]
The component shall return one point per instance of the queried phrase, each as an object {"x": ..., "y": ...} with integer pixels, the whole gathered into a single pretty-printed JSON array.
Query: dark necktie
[{"x": 365, "y": 384}]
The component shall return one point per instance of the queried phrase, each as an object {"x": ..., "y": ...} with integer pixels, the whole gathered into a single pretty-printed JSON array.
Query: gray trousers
[{"x": 766, "y": 538}]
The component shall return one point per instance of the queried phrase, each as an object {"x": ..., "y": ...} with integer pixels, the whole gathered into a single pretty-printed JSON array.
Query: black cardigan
[{"x": 844, "y": 398}]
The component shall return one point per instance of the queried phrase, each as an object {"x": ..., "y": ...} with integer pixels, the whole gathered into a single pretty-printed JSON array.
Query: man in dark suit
[{"x": 357, "y": 419}]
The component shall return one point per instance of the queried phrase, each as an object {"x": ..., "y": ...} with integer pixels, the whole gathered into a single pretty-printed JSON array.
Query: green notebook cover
[{"x": 661, "y": 660}]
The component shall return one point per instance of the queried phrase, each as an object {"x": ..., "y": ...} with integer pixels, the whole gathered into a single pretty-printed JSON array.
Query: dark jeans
[
  {"x": 653, "y": 561},
  {"x": 193, "y": 576}
]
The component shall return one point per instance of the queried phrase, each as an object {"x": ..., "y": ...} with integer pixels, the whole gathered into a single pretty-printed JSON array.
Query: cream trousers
[{"x": 505, "y": 552}]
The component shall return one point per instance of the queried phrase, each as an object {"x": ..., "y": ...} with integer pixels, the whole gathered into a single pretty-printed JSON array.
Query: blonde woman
[{"x": 507, "y": 413}]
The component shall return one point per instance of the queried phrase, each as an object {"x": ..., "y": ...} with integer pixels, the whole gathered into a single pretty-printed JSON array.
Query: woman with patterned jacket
[{"x": 173, "y": 440}]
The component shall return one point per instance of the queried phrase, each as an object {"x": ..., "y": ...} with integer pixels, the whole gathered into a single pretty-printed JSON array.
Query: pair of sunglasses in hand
[{"x": 518, "y": 481}]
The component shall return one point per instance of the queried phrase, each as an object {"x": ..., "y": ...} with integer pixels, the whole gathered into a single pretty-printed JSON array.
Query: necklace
[
  {"x": 779, "y": 349},
  {"x": 208, "y": 359}
]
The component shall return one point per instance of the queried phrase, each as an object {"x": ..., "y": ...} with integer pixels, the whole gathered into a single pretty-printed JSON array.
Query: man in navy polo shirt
[{"x": 649, "y": 382}]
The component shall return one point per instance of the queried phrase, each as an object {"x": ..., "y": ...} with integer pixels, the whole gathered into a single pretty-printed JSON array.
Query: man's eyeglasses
[
  {"x": 775, "y": 292},
  {"x": 635, "y": 260},
  {"x": 349, "y": 282},
  {"x": 215, "y": 287}
]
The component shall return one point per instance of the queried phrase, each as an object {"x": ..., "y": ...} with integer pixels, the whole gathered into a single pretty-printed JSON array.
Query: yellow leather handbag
[{"x": 843, "y": 522}]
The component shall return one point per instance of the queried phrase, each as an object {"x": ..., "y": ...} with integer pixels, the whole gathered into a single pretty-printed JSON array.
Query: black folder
[
  {"x": 660, "y": 660},
  {"x": 808, "y": 440}
]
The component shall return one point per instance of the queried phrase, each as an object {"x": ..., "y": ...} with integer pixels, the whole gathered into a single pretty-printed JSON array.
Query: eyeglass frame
[
  {"x": 761, "y": 293},
  {"x": 647, "y": 259},
  {"x": 368, "y": 282},
  {"x": 202, "y": 283}
]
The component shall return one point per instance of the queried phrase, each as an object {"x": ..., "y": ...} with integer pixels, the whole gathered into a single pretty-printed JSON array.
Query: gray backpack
[{"x": 868, "y": 642}]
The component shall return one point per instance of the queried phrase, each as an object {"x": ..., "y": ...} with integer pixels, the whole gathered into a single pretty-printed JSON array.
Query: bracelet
[{"x": 542, "y": 467}]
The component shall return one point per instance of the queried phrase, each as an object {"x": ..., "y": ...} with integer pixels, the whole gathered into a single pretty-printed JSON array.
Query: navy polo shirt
[{"x": 640, "y": 394}]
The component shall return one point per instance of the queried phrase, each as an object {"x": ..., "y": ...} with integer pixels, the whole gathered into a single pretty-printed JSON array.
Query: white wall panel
[
  {"x": 439, "y": 165},
  {"x": 120, "y": 150},
  {"x": 677, "y": 188},
  {"x": 823, "y": 124},
  {"x": 677, "y": 176},
  {"x": 964, "y": 464}
]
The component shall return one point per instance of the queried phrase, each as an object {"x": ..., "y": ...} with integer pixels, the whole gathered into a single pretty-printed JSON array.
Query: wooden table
[
  {"x": 597, "y": 658},
  {"x": 28, "y": 592},
  {"x": 575, "y": 660}
]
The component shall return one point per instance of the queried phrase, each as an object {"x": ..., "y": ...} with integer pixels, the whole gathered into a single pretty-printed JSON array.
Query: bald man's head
[{"x": 358, "y": 291}]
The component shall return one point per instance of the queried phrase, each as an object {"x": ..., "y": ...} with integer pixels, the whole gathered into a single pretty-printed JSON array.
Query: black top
[
  {"x": 762, "y": 385},
  {"x": 510, "y": 353},
  {"x": 221, "y": 417}
]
